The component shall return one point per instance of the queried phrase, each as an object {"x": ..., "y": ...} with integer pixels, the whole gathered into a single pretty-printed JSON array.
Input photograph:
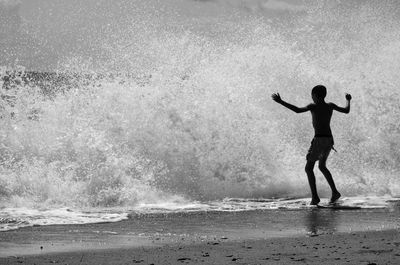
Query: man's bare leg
[
  {"x": 328, "y": 176},
  {"x": 311, "y": 180}
]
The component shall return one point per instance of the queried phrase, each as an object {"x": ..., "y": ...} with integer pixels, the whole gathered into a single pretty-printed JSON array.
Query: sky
[{"x": 38, "y": 34}]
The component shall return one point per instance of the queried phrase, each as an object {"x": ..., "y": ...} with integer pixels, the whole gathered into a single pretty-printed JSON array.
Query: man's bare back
[{"x": 321, "y": 117}]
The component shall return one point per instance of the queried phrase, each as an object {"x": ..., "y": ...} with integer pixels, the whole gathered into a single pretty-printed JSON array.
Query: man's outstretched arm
[
  {"x": 277, "y": 98},
  {"x": 345, "y": 109}
]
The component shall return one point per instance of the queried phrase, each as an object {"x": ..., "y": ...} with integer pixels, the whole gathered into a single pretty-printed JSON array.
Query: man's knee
[
  {"x": 309, "y": 167},
  {"x": 322, "y": 167}
]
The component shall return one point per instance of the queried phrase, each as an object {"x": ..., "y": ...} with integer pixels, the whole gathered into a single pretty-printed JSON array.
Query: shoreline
[
  {"x": 372, "y": 247},
  {"x": 145, "y": 230},
  {"x": 189, "y": 228},
  {"x": 309, "y": 236}
]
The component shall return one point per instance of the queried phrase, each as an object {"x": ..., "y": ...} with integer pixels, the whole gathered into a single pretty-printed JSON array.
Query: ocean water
[{"x": 173, "y": 113}]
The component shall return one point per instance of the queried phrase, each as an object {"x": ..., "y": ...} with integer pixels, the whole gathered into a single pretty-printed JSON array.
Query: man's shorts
[{"x": 320, "y": 148}]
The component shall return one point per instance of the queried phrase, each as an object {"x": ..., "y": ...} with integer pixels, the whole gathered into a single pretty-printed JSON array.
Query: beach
[
  {"x": 144, "y": 132},
  {"x": 378, "y": 247},
  {"x": 306, "y": 236}
]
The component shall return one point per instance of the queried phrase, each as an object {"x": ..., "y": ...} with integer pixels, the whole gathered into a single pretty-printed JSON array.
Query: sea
[{"x": 166, "y": 107}]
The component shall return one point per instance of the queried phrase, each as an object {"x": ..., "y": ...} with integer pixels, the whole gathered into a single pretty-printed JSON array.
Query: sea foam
[{"x": 183, "y": 115}]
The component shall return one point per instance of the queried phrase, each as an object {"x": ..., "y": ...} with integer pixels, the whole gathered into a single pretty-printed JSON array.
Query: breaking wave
[{"x": 182, "y": 115}]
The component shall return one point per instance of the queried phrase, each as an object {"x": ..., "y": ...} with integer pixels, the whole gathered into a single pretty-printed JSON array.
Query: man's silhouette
[{"x": 322, "y": 142}]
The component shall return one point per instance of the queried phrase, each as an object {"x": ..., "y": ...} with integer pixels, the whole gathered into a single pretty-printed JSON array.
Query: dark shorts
[{"x": 320, "y": 148}]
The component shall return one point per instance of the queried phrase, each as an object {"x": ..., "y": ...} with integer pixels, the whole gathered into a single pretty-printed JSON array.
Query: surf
[{"x": 183, "y": 116}]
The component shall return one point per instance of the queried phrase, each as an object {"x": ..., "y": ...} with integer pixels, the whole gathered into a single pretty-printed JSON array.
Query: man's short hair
[{"x": 319, "y": 91}]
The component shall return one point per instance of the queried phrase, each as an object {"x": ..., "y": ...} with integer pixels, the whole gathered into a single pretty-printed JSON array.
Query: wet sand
[
  {"x": 378, "y": 247},
  {"x": 313, "y": 236}
]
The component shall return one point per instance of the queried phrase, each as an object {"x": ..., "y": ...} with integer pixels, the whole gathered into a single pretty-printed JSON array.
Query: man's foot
[
  {"x": 335, "y": 197},
  {"x": 315, "y": 201}
]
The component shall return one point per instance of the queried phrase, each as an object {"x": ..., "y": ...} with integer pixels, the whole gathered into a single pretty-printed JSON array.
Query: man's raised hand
[
  {"x": 276, "y": 97},
  {"x": 348, "y": 96}
]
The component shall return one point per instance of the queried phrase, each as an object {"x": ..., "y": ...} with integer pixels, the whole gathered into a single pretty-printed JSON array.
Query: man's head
[{"x": 318, "y": 93}]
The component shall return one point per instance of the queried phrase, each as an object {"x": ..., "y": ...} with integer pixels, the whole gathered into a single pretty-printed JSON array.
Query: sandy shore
[
  {"x": 310, "y": 236},
  {"x": 374, "y": 247}
]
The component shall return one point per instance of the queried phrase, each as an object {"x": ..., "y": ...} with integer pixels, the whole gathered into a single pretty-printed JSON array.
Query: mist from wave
[{"x": 178, "y": 115}]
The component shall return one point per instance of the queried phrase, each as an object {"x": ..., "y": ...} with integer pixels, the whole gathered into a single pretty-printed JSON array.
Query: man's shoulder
[
  {"x": 311, "y": 106},
  {"x": 331, "y": 104}
]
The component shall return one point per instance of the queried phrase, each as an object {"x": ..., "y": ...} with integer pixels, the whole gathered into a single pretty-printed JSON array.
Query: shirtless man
[{"x": 322, "y": 143}]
